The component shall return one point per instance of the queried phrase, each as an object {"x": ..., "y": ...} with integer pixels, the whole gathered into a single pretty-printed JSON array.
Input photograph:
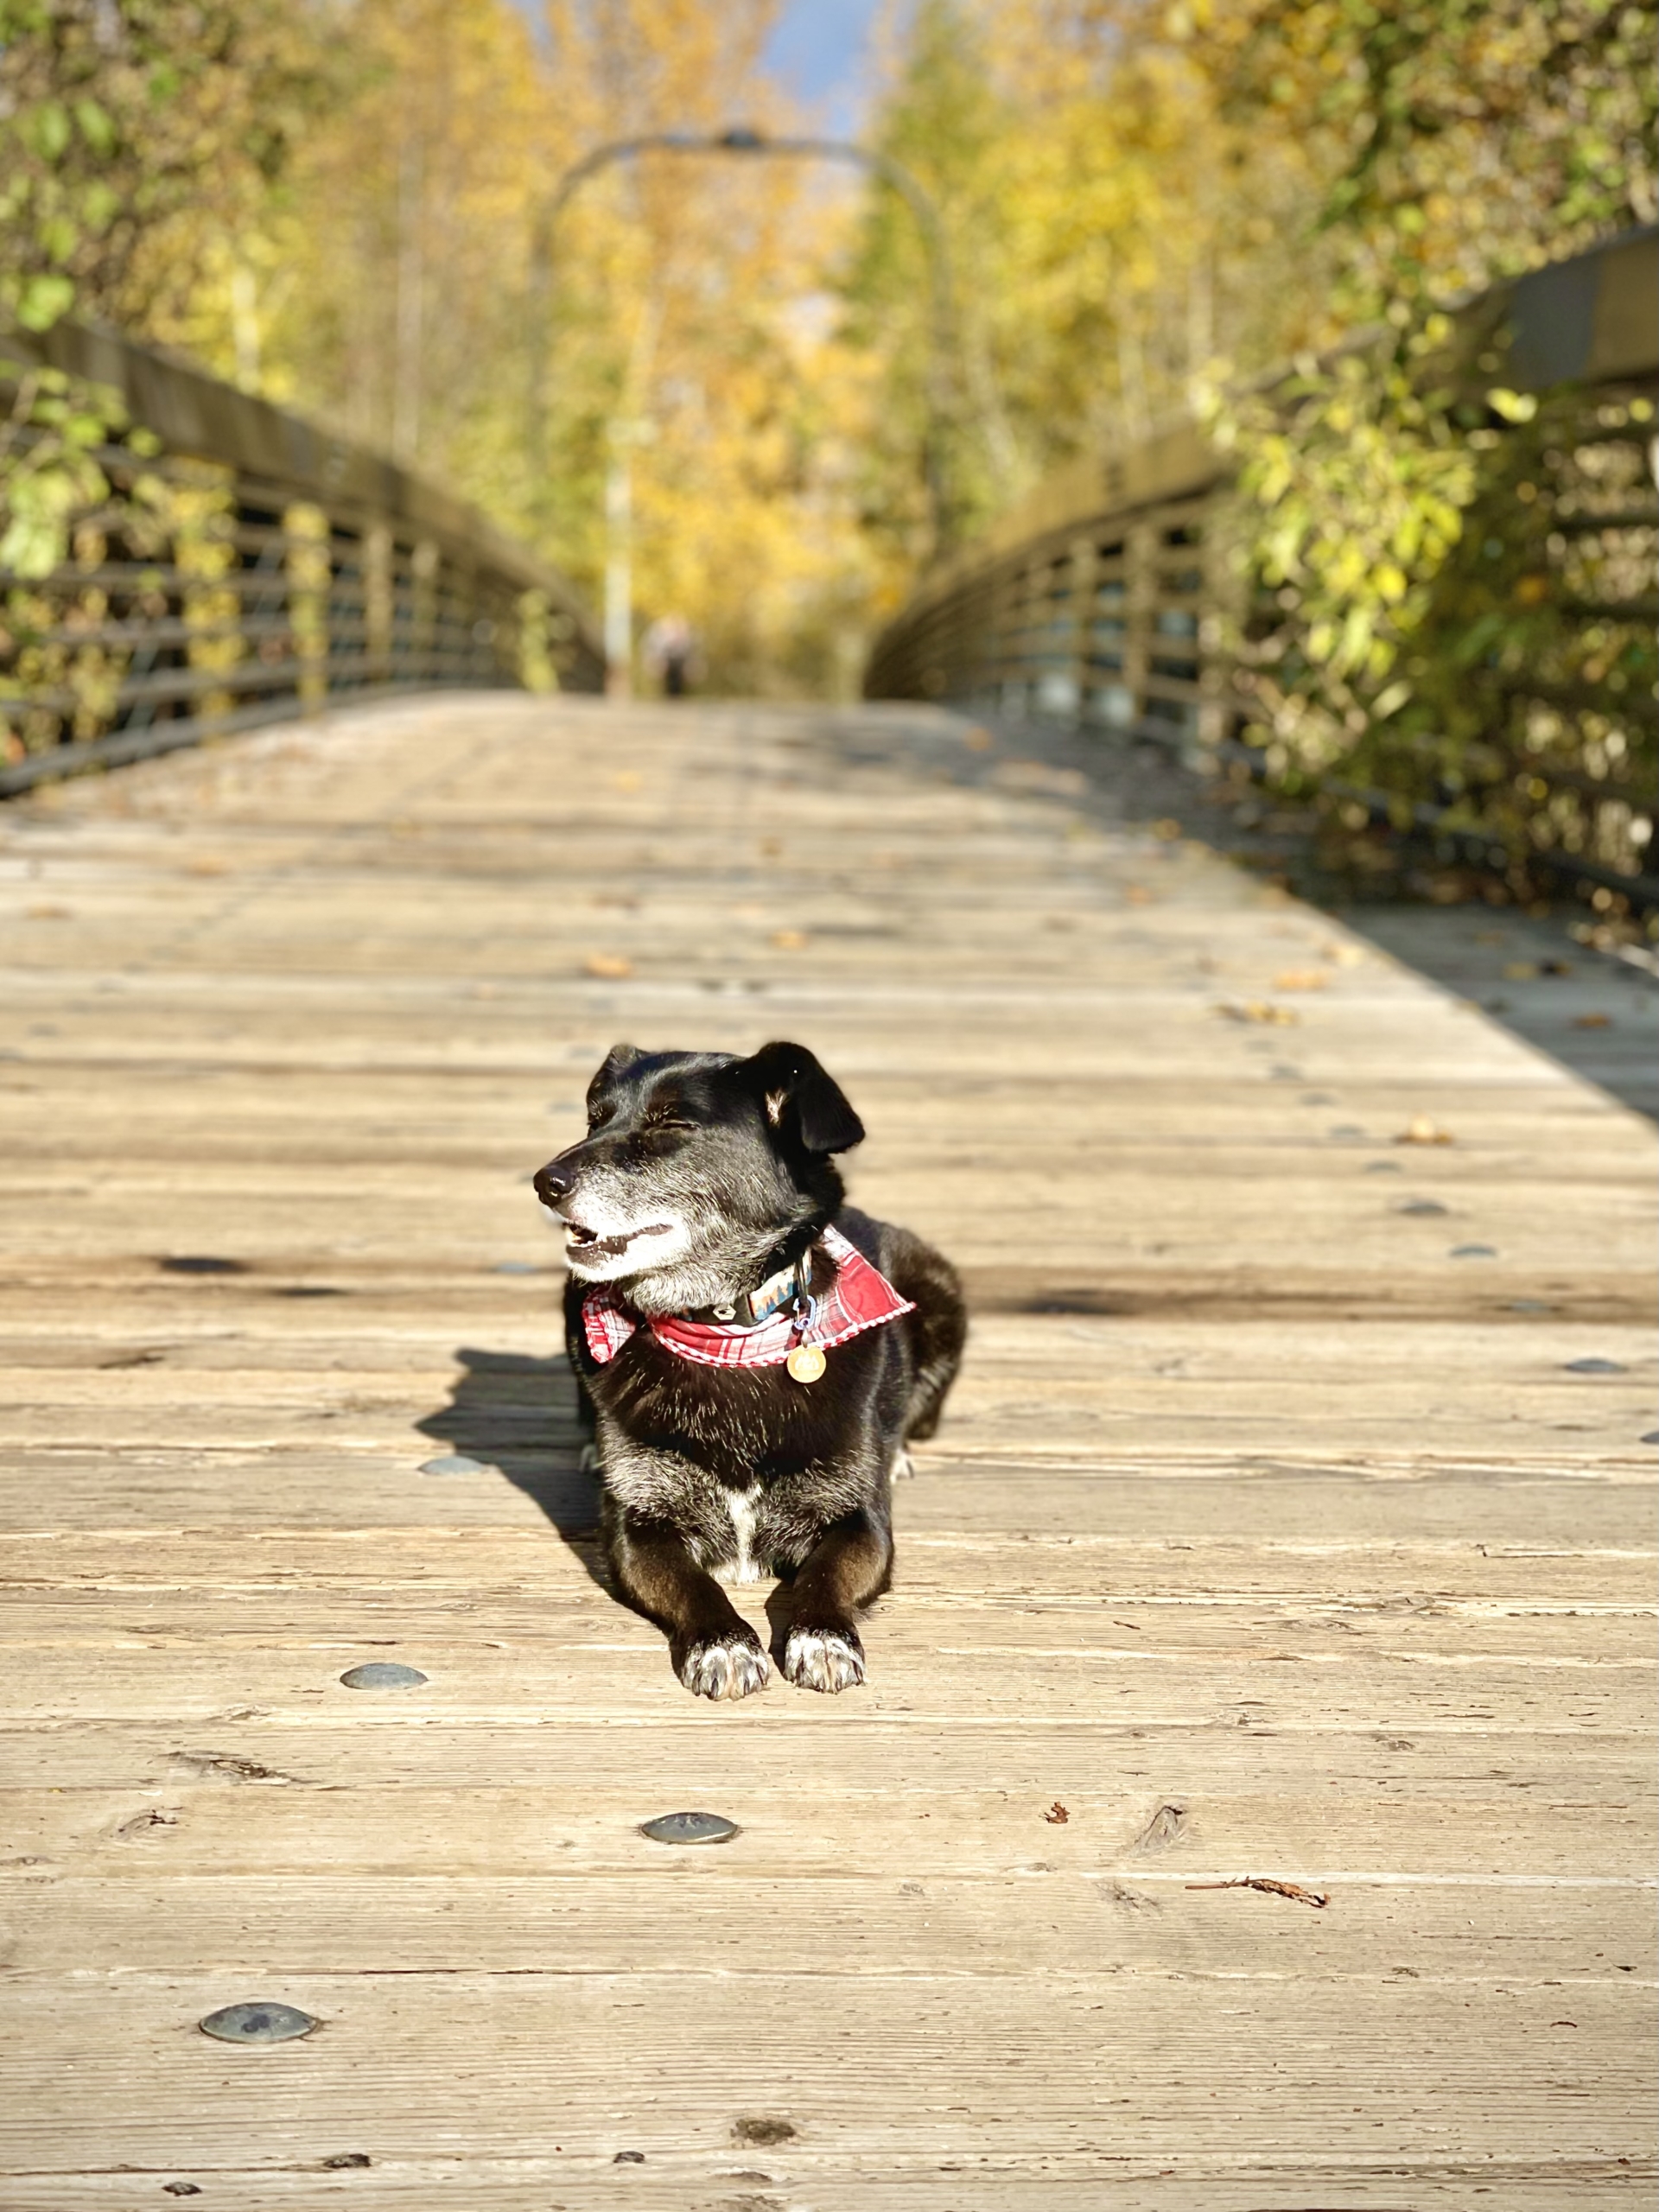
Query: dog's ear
[
  {"x": 795, "y": 1093},
  {"x": 619, "y": 1057}
]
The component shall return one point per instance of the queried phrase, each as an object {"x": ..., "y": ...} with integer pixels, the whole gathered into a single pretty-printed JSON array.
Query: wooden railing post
[
  {"x": 424, "y": 575},
  {"x": 1083, "y": 622},
  {"x": 305, "y": 527},
  {"x": 376, "y": 600},
  {"x": 1140, "y": 589},
  {"x": 1226, "y": 595}
]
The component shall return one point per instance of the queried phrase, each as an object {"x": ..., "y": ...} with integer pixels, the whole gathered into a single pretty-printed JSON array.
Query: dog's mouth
[{"x": 583, "y": 1243}]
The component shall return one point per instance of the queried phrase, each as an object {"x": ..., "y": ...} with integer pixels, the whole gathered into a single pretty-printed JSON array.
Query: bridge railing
[
  {"x": 1109, "y": 599},
  {"x": 279, "y": 571}
]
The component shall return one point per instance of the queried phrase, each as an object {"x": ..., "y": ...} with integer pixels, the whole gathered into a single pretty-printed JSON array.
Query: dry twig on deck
[{"x": 1293, "y": 1891}]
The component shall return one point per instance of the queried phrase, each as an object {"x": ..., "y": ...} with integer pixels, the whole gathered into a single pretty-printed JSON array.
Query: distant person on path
[{"x": 671, "y": 654}]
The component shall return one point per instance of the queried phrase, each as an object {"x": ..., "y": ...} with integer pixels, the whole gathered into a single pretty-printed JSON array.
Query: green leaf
[
  {"x": 59, "y": 237},
  {"x": 96, "y": 127},
  {"x": 1513, "y": 406},
  {"x": 99, "y": 205},
  {"x": 43, "y": 300},
  {"x": 48, "y": 126}
]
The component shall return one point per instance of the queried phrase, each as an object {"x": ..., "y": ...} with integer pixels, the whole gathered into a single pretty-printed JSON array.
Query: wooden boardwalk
[{"x": 1288, "y": 1522}]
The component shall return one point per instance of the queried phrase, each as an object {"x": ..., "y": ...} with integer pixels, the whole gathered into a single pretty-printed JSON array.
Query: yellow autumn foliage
[{"x": 404, "y": 286}]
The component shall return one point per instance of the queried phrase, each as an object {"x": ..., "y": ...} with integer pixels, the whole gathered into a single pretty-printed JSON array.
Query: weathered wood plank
[
  {"x": 732, "y": 2181},
  {"x": 741, "y": 1922},
  {"x": 625, "y": 1672},
  {"x": 1266, "y": 1536},
  {"x": 1083, "y": 2069},
  {"x": 1434, "y": 1771},
  {"x": 1174, "y": 1813},
  {"x": 495, "y": 1565}
]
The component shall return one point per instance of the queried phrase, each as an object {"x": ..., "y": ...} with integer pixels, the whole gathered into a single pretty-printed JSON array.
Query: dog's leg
[
  {"x": 715, "y": 1653},
  {"x": 850, "y": 1564}
]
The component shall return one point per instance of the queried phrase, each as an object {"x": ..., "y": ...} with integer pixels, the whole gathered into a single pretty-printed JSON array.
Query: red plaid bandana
[{"x": 860, "y": 1298}]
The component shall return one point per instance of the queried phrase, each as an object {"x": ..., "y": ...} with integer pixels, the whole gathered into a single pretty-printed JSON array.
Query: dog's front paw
[
  {"x": 724, "y": 1666},
  {"x": 823, "y": 1658}
]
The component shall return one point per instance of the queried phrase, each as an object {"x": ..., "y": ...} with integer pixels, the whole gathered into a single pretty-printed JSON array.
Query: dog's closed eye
[{"x": 665, "y": 1118}]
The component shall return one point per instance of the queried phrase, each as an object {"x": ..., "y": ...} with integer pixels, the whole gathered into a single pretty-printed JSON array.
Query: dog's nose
[{"x": 552, "y": 1182}]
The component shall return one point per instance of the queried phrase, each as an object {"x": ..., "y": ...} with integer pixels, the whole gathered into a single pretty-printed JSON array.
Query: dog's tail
[{"x": 939, "y": 1326}]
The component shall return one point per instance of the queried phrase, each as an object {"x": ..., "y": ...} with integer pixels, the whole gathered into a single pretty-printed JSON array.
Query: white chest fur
[{"x": 742, "y": 1567}]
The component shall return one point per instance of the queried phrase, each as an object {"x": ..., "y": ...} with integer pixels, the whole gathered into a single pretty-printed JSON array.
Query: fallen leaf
[
  {"x": 1592, "y": 1021},
  {"x": 1138, "y": 895},
  {"x": 1281, "y": 1017},
  {"x": 612, "y": 966},
  {"x": 205, "y": 867},
  {"x": 978, "y": 740},
  {"x": 1301, "y": 979},
  {"x": 1421, "y": 1130},
  {"x": 790, "y": 940},
  {"x": 50, "y": 913},
  {"x": 1169, "y": 830},
  {"x": 1038, "y": 775},
  {"x": 1521, "y": 971},
  {"x": 1346, "y": 955},
  {"x": 1057, "y": 1817}
]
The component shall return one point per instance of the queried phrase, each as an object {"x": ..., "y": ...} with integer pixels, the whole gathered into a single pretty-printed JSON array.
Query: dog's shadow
[{"x": 521, "y": 1415}]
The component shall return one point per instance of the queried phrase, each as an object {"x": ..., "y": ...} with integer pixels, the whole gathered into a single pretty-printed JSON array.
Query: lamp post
[{"x": 743, "y": 142}]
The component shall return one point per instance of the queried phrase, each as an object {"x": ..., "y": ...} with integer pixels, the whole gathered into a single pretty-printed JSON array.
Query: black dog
[{"x": 755, "y": 1354}]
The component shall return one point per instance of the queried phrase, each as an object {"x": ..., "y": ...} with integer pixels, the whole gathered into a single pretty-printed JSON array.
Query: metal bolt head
[
  {"x": 1595, "y": 1367},
  {"x": 257, "y": 2024},
  {"x": 382, "y": 1674},
  {"x": 1473, "y": 1252},
  {"x": 689, "y": 1828},
  {"x": 452, "y": 1462},
  {"x": 1421, "y": 1205}
]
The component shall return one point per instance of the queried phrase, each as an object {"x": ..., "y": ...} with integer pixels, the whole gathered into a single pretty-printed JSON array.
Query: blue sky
[{"x": 818, "y": 50}]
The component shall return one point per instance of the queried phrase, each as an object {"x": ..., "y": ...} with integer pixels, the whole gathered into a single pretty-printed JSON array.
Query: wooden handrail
[
  {"x": 339, "y": 576},
  {"x": 1103, "y": 600}
]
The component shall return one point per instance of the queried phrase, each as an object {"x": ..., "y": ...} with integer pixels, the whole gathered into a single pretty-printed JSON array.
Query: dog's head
[{"x": 695, "y": 1166}]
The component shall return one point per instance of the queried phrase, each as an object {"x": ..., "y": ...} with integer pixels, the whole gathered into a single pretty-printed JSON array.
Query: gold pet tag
[{"x": 805, "y": 1364}]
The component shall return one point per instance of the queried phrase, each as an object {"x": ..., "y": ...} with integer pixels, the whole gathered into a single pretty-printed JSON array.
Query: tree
[
  {"x": 1463, "y": 142},
  {"x": 124, "y": 125}
]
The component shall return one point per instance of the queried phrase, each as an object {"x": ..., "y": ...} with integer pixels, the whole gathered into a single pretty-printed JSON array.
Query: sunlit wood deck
[{"x": 1278, "y": 1529}]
